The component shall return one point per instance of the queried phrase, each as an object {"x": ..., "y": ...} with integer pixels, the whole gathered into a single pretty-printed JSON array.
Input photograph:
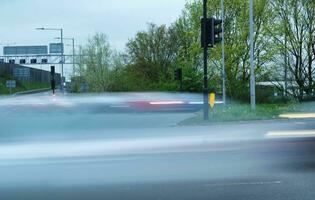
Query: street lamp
[
  {"x": 62, "y": 49},
  {"x": 252, "y": 67},
  {"x": 73, "y": 51},
  {"x": 223, "y": 54}
]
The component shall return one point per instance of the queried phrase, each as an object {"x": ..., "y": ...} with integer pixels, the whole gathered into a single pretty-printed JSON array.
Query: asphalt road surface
[{"x": 75, "y": 148}]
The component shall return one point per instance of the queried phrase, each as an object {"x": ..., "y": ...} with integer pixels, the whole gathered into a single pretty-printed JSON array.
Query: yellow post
[{"x": 212, "y": 99}]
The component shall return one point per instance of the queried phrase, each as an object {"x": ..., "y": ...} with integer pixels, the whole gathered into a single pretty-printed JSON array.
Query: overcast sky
[{"x": 119, "y": 19}]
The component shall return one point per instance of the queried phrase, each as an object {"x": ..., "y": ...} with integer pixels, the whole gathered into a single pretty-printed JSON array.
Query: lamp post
[
  {"x": 252, "y": 67},
  {"x": 62, "y": 50},
  {"x": 223, "y": 55}
]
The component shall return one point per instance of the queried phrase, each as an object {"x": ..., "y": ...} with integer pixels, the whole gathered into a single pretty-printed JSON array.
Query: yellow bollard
[{"x": 212, "y": 99}]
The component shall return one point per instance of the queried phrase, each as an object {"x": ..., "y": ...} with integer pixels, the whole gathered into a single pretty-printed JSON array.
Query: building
[{"x": 23, "y": 73}]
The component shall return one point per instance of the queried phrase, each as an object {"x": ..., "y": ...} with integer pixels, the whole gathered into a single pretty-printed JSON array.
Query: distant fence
[{"x": 23, "y": 73}]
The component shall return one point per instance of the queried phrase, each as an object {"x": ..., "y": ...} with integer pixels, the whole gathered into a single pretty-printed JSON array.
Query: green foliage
[
  {"x": 294, "y": 30},
  {"x": 153, "y": 54},
  {"x": 21, "y": 86}
]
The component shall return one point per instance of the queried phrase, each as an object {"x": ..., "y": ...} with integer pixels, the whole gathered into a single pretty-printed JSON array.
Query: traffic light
[
  {"x": 179, "y": 77},
  {"x": 22, "y": 61},
  {"x": 205, "y": 32},
  {"x": 216, "y": 30},
  {"x": 44, "y": 60},
  {"x": 178, "y": 74},
  {"x": 52, "y": 78},
  {"x": 210, "y": 32}
]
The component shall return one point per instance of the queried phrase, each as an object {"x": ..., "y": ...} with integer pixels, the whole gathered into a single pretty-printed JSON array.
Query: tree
[
  {"x": 186, "y": 31},
  {"x": 187, "y": 27},
  {"x": 152, "y": 52},
  {"x": 296, "y": 19},
  {"x": 97, "y": 61}
]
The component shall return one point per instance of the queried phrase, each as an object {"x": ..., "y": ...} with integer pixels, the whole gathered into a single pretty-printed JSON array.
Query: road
[{"x": 66, "y": 152}]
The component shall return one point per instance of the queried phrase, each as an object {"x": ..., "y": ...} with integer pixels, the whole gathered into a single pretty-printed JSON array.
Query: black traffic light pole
[
  {"x": 179, "y": 77},
  {"x": 52, "y": 79},
  {"x": 210, "y": 35},
  {"x": 205, "y": 71}
]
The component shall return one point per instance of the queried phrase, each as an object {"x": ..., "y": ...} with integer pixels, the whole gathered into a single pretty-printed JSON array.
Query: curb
[
  {"x": 30, "y": 92},
  {"x": 241, "y": 122}
]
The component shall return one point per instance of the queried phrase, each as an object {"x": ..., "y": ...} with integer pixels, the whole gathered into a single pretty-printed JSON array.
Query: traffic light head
[
  {"x": 210, "y": 32},
  {"x": 216, "y": 30},
  {"x": 206, "y": 32},
  {"x": 52, "y": 70},
  {"x": 178, "y": 74},
  {"x": 53, "y": 85}
]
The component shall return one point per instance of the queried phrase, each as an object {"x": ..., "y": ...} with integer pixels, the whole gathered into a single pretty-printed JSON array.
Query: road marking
[
  {"x": 244, "y": 183},
  {"x": 121, "y": 106},
  {"x": 300, "y": 123},
  {"x": 66, "y": 161}
]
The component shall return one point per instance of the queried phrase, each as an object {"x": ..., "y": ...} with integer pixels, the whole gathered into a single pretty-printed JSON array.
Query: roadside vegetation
[
  {"x": 21, "y": 86},
  {"x": 284, "y": 54}
]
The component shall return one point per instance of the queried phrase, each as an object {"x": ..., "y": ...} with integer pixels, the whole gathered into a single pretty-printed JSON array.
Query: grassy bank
[
  {"x": 243, "y": 112},
  {"x": 22, "y": 86}
]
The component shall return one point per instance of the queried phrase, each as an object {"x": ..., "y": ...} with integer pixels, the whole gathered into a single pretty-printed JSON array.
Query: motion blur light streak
[
  {"x": 244, "y": 183},
  {"x": 298, "y": 115},
  {"x": 291, "y": 134},
  {"x": 97, "y": 143},
  {"x": 110, "y": 147},
  {"x": 196, "y": 103},
  {"x": 166, "y": 102}
]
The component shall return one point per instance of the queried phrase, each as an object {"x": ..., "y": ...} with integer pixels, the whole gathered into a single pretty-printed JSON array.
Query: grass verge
[
  {"x": 243, "y": 112},
  {"x": 22, "y": 86}
]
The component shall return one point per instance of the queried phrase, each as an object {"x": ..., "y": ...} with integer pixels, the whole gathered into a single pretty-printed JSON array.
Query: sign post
[
  {"x": 11, "y": 84},
  {"x": 212, "y": 99}
]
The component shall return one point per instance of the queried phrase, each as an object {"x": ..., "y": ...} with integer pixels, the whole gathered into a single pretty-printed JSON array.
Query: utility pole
[
  {"x": 205, "y": 72},
  {"x": 223, "y": 55},
  {"x": 62, "y": 60},
  {"x": 285, "y": 60},
  {"x": 210, "y": 36},
  {"x": 252, "y": 67},
  {"x": 73, "y": 57}
]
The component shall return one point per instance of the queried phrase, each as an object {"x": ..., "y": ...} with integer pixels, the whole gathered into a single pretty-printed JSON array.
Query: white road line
[
  {"x": 122, "y": 106},
  {"x": 72, "y": 160},
  {"x": 244, "y": 183}
]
